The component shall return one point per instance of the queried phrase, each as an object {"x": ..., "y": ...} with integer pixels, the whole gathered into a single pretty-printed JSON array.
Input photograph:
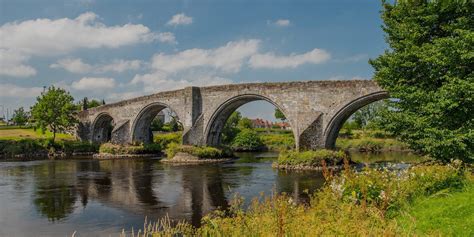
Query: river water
[{"x": 102, "y": 197}]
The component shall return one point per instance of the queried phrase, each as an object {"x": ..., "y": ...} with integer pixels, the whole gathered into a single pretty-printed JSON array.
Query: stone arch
[
  {"x": 102, "y": 128},
  {"x": 332, "y": 129},
  {"x": 141, "y": 125},
  {"x": 212, "y": 134}
]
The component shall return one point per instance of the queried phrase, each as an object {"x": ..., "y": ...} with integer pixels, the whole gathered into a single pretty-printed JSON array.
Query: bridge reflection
[{"x": 149, "y": 188}]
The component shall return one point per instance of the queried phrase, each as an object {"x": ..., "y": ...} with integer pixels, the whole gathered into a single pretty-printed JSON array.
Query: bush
[
  {"x": 110, "y": 148},
  {"x": 201, "y": 152},
  {"x": 164, "y": 139},
  {"x": 282, "y": 141},
  {"x": 247, "y": 140},
  {"x": 312, "y": 158},
  {"x": 24, "y": 146}
]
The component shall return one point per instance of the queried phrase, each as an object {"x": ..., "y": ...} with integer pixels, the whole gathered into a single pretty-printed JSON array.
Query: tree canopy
[
  {"x": 20, "y": 117},
  {"x": 429, "y": 70},
  {"x": 279, "y": 114},
  {"x": 54, "y": 109}
]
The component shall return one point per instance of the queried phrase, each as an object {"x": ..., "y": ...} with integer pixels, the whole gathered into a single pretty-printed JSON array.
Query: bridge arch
[
  {"x": 335, "y": 124},
  {"x": 212, "y": 134},
  {"x": 102, "y": 128},
  {"x": 141, "y": 125}
]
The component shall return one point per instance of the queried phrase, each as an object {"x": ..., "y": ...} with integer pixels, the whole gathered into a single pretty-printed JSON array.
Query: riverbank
[{"x": 371, "y": 202}]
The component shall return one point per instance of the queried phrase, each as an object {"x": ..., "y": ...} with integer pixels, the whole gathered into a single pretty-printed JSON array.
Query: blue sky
[{"x": 115, "y": 50}]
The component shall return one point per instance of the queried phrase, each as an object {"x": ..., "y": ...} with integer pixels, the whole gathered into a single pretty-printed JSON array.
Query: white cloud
[
  {"x": 180, "y": 19},
  {"x": 46, "y": 36},
  {"x": 270, "y": 60},
  {"x": 281, "y": 22},
  {"x": 94, "y": 83},
  {"x": 166, "y": 37},
  {"x": 228, "y": 58},
  {"x": 10, "y": 90},
  {"x": 76, "y": 65},
  {"x": 12, "y": 64},
  {"x": 43, "y": 37},
  {"x": 157, "y": 81}
]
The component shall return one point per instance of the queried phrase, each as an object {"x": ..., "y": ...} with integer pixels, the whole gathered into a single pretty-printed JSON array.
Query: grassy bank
[
  {"x": 203, "y": 152},
  {"x": 17, "y": 133},
  {"x": 43, "y": 147},
  {"x": 113, "y": 149},
  {"x": 371, "y": 202},
  {"x": 316, "y": 158},
  {"x": 368, "y": 141}
]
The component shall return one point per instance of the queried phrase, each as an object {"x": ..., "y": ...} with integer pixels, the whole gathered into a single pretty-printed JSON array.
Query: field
[{"x": 17, "y": 133}]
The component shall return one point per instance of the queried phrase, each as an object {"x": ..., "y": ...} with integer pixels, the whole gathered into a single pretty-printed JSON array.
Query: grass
[
  {"x": 444, "y": 214},
  {"x": 16, "y": 133},
  {"x": 203, "y": 152},
  {"x": 164, "y": 139},
  {"x": 367, "y": 203},
  {"x": 369, "y": 141},
  {"x": 109, "y": 148},
  {"x": 312, "y": 158}
]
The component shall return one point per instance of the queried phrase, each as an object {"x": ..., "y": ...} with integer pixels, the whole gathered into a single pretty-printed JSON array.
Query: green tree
[
  {"x": 247, "y": 140},
  {"x": 54, "y": 110},
  {"x": 369, "y": 114},
  {"x": 279, "y": 115},
  {"x": 156, "y": 124},
  {"x": 230, "y": 129},
  {"x": 20, "y": 117},
  {"x": 245, "y": 123},
  {"x": 429, "y": 70}
]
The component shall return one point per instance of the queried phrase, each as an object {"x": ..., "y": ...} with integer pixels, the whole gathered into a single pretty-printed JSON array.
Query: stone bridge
[{"x": 315, "y": 111}]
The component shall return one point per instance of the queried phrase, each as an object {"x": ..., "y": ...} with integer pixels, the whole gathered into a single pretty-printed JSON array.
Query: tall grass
[{"x": 353, "y": 203}]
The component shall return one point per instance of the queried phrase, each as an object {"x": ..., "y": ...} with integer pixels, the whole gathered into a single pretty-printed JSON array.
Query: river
[{"x": 102, "y": 197}]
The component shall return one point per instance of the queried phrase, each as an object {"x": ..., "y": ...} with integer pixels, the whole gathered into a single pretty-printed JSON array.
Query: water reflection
[{"x": 100, "y": 197}]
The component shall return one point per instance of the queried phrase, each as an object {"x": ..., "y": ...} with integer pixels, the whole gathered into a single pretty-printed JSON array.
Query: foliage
[
  {"x": 278, "y": 141},
  {"x": 42, "y": 146},
  {"x": 164, "y": 139},
  {"x": 156, "y": 125},
  {"x": 230, "y": 129},
  {"x": 369, "y": 114},
  {"x": 429, "y": 70},
  {"x": 351, "y": 204},
  {"x": 110, "y": 148},
  {"x": 279, "y": 115},
  {"x": 370, "y": 144},
  {"x": 247, "y": 140},
  {"x": 54, "y": 109},
  {"x": 203, "y": 152},
  {"x": 245, "y": 123},
  {"x": 312, "y": 158},
  {"x": 20, "y": 117}
]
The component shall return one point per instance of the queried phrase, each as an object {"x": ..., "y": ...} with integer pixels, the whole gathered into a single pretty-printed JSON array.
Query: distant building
[{"x": 260, "y": 123}]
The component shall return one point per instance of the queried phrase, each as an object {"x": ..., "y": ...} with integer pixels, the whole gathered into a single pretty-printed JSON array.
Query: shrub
[
  {"x": 247, "y": 140},
  {"x": 283, "y": 141},
  {"x": 312, "y": 158},
  {"x": 110, "y": 148},
  {"x": 24, "y": 146},
  {"x": 164, "y": 139},
  {"x": 201, "y": 152}
]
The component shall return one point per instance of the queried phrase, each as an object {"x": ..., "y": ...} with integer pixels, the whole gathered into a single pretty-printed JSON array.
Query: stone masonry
[{"x": 315, "y": 110}]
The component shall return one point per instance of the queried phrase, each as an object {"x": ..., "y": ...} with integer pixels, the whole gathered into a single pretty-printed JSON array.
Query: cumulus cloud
[
  {"x": 12, "y": 64},
  {"x": 76, "y": 65},
  {"x": 10, "y": 90},
  {"x": 280, "y": 22},
  {"x": 94, "y": 83},
  {"x": 43, "y": 37},
  {"x": 228, "y": 58},
  {"x": 180, "y": 19},
  {"x": 166, "y": 37},
  {"x": 270, "y": 60},
  {"x": 46, "y": 36}
]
